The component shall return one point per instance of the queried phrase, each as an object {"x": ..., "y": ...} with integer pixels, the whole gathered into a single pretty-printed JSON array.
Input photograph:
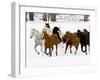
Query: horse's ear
[
  {"x": 78, "y": 30},
  {"x": 85, "y": 30}
]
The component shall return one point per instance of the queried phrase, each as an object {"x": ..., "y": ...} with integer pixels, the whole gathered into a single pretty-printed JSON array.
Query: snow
[{"x": 35, "y": 60}]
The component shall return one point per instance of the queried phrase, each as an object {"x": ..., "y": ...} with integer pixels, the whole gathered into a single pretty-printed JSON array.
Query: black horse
[
  {"x": 84, "y": 39},
  {"x": 56, "y": 31}
]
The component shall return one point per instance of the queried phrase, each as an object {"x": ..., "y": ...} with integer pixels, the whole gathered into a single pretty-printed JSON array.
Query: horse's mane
[{"x": 36, "y": 30}]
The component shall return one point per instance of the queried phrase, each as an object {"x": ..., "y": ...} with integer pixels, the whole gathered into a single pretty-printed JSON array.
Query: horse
[
  {"x": 38, "y": 39},
  {"x": 84, "y": 39},
  {"x": 57, "y": 31},
  {"x": 87, "y": 34},
  {"x": 71, "y": 40},
  {"x": 47, "y": 29},
  {"x": 50, "y": 41}
]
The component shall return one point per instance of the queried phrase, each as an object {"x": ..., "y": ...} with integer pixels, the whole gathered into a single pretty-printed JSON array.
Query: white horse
[{"x": 38, "y": 39}]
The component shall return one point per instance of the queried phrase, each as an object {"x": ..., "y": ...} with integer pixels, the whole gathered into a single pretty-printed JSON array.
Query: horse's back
[
  {"x": 55, "y": 39},
  {"x": 73, "y": 39}
]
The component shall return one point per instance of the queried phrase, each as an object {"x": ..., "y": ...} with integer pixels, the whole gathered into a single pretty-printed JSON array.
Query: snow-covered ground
[{"x": 34, "y": 60}]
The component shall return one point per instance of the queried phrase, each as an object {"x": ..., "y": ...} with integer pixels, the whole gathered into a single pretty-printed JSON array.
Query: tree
[
  {"x": 31, "y": 16},
  {"x": 53, "y": 17},
  {"x": 44, "y": 17},
  {"x": 86, "y": 17}
]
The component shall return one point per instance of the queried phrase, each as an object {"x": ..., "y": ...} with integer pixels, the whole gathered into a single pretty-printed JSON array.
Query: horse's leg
[
  {"x": 46, "y": 51},
  {"x": 42, "y": 45},
  {"x": 76, "y": 48},
  {"x": 86, "y": 49},
  {"x": 70, "y": 49},
  {"x": 50, "y": 52},
  {"x": 56, "y": 50},
  {"x": 81, "y": 47},
  {"x": 66, "y": 48},
  {"x": 89, "y": 47},
  {"x": 52, "y": 48},
  {"x": 35, "y": 49}
]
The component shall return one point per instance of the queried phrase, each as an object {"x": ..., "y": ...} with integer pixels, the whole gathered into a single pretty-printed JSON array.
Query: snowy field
[{"x": 35, "y": 60}]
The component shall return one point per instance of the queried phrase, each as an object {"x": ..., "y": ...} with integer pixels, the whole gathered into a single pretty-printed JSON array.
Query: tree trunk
[
  {"x": 44, "y": 17},
  {"x": 26, "y": 17},
  {"x": 86, "y": 17},
  {"x": 31, "y": 16},
  {"x": 53, "y": 17}
]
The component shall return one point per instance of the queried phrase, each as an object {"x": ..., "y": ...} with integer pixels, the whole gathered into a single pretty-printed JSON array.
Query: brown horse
[
  {"x": 50, "y": 41},
  {"x": 72, "y": 40}
]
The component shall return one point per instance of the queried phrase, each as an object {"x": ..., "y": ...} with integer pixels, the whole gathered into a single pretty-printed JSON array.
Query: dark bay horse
[
  {"x": 72, "y": 40},
  {"x": 57, "y": 31},
  {"x": 84, "y": 39},
  {"x": 50, "y": 41},
  {"x": 87, "y": 34}
]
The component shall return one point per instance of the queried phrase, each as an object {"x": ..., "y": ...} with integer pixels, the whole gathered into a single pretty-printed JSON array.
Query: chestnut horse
[
  {"x": 72, "y": 40},
  {"x": 50, "y": 41}
]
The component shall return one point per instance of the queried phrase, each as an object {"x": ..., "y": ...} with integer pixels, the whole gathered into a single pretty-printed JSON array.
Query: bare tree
[
  {"x": 48, "y": 17},
  {"x": 86, "y": 17},
  {"x": 53, "y": 17},
  {"x": 44, "y": 17},
  {"x": 26, "y": 16},
  {"x": 31, "y": 16}
]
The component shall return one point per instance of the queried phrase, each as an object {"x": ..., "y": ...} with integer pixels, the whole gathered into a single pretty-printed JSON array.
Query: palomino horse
[
  {"x": 38, "y": 39},
  {"x": 72, "y": 40},
  {"x": 50, "y": 41}
]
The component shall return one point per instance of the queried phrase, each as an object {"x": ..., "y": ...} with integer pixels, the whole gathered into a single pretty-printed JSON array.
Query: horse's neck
[
  {"x": 47, "y": 37},
  {"x": 49, "y": 31},
  {"x": 38, "y": 35}
]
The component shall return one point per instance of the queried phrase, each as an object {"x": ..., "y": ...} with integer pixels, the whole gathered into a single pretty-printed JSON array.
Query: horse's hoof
[
  {"x": 46, "y": 54},
  {"x": 49, "y": 55},
  {"x": 38, "y": 53},
  {"x": 56, "y": 54}
]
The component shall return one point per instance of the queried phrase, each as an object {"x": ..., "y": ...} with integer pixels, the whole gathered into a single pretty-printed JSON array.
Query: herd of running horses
[{"x": 68, "y": 38}]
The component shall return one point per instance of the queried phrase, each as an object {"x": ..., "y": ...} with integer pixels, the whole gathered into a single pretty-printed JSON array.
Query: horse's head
[
  {"x": 85, "y": 31},
  {"x": 79, "y": 33},
  {"x": 56, "y": 29}
]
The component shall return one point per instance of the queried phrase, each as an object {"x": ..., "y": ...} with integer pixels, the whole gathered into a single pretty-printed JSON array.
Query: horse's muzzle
[{"x": 31, "y": 37}]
